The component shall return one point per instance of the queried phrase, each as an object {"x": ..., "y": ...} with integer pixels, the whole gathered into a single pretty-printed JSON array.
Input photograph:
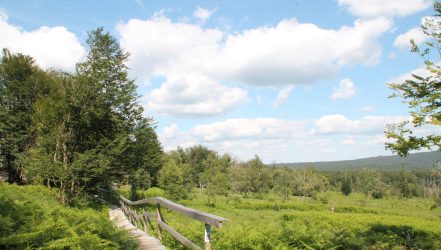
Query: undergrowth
[{"x": 31, "y": 218}]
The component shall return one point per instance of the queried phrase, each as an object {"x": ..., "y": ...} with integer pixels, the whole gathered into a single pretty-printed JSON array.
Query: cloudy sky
[{"x": 287, "y": 80}]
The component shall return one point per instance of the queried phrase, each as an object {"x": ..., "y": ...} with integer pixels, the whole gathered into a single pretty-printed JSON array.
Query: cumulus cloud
[
  {"x": 203, "y": 14},
  {"x": 293, "y": 53},
  {"x": 403, "y": 40},
  {"x": 262, "y": 128},
  {"x": 50, "y": 46},
  {"x": 415, "y": 33},
  {"x": 339, "y": 124},
  {"x": 286, "y": 139},
  {"x": 159, "y": 46},
  {"x": 344, "y": 90},
  {"x": 389, "y": 8},
  {"x": 193, "y": 95},
  {"x": 287, "y": 54}
]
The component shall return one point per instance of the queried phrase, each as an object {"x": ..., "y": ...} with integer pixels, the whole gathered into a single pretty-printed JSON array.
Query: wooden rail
[{"x": 144, "y": 219}]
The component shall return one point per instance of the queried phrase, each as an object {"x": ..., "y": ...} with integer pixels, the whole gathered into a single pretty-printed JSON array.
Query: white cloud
[
  {"x": 287, "y": 139},
  {"x": 203, "y": 14},
  {"x": 388, "y": 8},
  {"x": 403, "y": 40},
  {"x": 344, "y": 90},
  {"x": 289, "y": 53},
  {"x": 262, "y": 128},
  {"x": 193, "y": 95},
  {"x": 293, "y": 53},
  {"x": 267, "y": 137},
  {"x": 283, "y": 95},
  {"x": 339, "y": 124},
  {"x": 415, "y": 33},
  {"x": 49, "y": 46},
  {"x": 159, "y": 46}
]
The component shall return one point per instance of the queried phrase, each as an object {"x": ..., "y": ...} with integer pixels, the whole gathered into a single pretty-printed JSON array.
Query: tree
[
  {"x": 216, "y": 176},
  {"x": 422, "y": 93},
  {"x": 307, "y": 181},
  {"x": 370, "y": 182},
  {"x": 403, "y": 183},
  {"x": 346, "y": 187},
  {"x": 196, "y": 158},
  {"x": 284, "y": 181},
  {"x": 171, "y": 179},
  {"x": 90, "y": 126},
  {"x": 22, "y": 83}
]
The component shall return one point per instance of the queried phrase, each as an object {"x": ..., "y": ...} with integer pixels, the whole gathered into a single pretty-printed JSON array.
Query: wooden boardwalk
[{"x": 145, "y": 241}]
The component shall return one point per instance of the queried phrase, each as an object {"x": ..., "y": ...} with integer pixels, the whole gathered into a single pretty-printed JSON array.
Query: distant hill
[{"x": 422, "y": 160}]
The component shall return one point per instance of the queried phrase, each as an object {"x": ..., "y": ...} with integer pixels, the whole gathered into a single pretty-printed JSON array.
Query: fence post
[
  {"x": 207, "y": 237},
  {"x": 159, "y": 218}
]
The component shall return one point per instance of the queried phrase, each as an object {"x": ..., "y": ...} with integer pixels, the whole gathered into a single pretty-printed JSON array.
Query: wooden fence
[{"x": 132, "y": 209}]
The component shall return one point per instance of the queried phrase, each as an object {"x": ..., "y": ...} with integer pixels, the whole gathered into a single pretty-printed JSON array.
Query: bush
[{"x": 377, "y": 194}]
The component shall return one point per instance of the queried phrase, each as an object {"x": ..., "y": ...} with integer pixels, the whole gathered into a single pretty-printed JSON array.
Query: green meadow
[{"x": 271, "y": 222}]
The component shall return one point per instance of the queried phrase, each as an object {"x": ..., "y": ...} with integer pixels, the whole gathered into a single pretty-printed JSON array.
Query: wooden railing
[{"x": 137, "y": 213}]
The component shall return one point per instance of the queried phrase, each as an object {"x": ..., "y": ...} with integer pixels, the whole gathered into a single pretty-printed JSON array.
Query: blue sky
[{"x": 287, "y": 80}]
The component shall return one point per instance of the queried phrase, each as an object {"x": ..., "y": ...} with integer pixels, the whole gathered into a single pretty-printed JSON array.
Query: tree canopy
[{"x": 422, "y": 93}]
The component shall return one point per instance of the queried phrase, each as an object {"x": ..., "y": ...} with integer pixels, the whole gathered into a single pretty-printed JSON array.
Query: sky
[{"x": 289, "y": 81}]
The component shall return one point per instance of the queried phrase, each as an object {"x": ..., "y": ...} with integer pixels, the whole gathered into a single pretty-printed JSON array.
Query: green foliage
[
  {"x": 171, "y": 179},
  {"x": 31, "y": 218},
  {"x": 22, "y": 84},
  {"x": 284, "y": 181},
  {"x": 422, "y": 94},
  {"x": 153, "y": 192},
  {"x": 369, "y": 180},
  {"x": 403, "y": 184},
  {"x": 76, "y": 132},
  {"x": 346, "y": 187},
  {"x": 377, "y": 194},
  {"x": 250, "y": 177}
]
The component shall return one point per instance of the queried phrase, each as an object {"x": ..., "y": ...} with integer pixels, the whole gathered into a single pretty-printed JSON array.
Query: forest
[{"x": 64, "y": 136}]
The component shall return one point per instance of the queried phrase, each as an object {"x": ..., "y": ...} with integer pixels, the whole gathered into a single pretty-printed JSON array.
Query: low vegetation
[
  {"x": 32, "y": 218},
  {"x": 270, "y": 221}
]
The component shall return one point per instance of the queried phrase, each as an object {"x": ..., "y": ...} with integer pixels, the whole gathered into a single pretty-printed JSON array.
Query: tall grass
[{"x": 274, "y": 223}]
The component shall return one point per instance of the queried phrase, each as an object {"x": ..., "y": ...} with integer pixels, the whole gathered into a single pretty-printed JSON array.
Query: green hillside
[{"x": 413, "y": 161}]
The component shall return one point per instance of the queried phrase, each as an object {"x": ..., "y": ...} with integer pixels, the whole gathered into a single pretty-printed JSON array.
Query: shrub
[{"x": 377, "y": 194}]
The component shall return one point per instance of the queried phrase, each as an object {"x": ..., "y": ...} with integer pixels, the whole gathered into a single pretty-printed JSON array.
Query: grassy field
[{"x": 274, "y": 223}]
